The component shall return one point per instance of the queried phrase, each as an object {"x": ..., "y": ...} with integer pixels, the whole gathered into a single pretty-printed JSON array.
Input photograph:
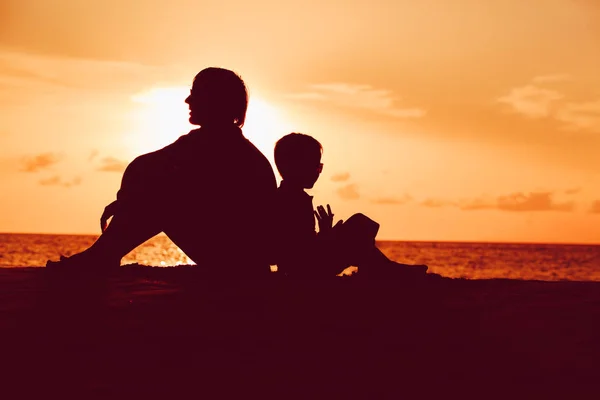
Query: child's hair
[{"x": 294, "y": 150}]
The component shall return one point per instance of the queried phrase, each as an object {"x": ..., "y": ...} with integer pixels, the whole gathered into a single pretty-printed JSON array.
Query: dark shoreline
[{"x": 156, "y": 332}]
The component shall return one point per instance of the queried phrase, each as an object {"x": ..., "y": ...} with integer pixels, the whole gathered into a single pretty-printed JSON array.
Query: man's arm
[{"x": 109, "y": 211}]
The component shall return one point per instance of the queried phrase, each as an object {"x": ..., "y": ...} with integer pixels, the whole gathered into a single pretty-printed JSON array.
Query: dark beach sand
[{"x": 173, "y": 333}]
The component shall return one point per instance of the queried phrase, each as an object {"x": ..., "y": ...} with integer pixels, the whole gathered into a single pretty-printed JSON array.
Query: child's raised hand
[{"x": 325, "y": 218}]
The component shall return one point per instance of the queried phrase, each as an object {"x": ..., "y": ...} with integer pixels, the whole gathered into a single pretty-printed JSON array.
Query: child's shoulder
[
  {"x": 293, "y": 198},
  {"x": 286, "y": 191}
]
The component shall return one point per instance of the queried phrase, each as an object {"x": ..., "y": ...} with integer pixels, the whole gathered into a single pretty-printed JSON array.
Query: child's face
[{"x": 311, "y": 171}]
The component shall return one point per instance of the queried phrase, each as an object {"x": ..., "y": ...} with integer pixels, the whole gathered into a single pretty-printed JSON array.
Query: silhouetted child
[{"x": 300, "y": 250}]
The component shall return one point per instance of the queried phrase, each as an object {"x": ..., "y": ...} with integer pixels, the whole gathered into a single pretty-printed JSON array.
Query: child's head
[{"x": 298, "y": 159}]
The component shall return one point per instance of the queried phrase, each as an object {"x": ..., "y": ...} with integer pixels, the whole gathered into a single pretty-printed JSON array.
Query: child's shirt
[{"x": 300, "y": 251}]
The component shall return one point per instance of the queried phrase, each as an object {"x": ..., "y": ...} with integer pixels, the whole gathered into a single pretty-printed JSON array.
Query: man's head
[
  {"x": 298, "y": 159},
  {"x": 218, "y": 96}
]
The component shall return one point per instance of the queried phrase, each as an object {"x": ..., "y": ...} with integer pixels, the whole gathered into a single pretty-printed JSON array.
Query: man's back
[{"x": 227, "y": 188}]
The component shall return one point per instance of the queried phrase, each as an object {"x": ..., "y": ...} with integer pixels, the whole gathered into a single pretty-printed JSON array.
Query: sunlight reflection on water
[{"x": 465, "y": 260}]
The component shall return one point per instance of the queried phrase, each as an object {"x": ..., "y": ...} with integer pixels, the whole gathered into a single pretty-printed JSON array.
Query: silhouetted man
[{"x": 209, "y": 191}]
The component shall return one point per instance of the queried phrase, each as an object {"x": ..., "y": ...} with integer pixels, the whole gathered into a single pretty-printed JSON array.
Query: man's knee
[
  {"x": 139, "y": 172},
  {"x": 137, "y": 166}
]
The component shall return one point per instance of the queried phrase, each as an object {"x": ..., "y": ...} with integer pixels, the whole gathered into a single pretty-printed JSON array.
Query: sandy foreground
[{"x": 175, "y": 333}]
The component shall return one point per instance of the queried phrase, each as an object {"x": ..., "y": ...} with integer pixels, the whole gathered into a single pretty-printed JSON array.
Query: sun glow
[
  {"x": 160, "y": 116},
  {"x": 265, "y": 124}
]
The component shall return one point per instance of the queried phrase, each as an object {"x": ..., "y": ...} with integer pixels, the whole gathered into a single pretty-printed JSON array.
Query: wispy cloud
[
  {"x": 39, "y": 162},
  {"x": 111, "y": 164},
  {"x": 595, "y": 208},
  {"x": 393, "y": 200},
  {"x": 572, "y": 191},
  {"x": 584, "y": 116},
  {"x": 349, "y": 192},
  {"x": 535, "y": 201},
  {"x": 341, "y": 177},
  {"x": 382, "y": 101},
  {"x": 531, "y": 101},
  {"x": 552, "y": 78},
  {"x": 32, "y": 70},
  {"x": 436, "y": 203},
  {"x": 514, "y": 202},
  {"x": 58, "y": 181},
  {"x": 307, "y": 96},
  {"x": 534, "y": 101},
  {"x": 481, "y": 203},
  {"x": 93, "y": 154}
]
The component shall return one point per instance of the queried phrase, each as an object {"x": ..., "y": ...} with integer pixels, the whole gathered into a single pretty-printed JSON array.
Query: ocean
[{"x": 548, "y": 262}]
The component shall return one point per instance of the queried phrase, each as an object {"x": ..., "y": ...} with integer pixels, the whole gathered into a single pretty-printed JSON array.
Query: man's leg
[
  {"x": 127, "y": 230},
  {"x": 139, "y": 216}
]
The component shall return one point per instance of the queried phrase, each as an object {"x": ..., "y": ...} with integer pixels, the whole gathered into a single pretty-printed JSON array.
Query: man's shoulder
[
  {"x": 185, "y": 139},
  {"x": 193, "y": 135}
]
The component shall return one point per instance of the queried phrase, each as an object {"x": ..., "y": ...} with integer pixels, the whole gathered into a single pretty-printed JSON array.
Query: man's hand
[
  {"x": 325, "y": 218},
  {"x": 109, "y": 211}
]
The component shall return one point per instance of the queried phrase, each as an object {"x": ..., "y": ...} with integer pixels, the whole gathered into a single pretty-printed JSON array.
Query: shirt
[
  {"x": 296, "y": 237},
  {"x": 214, "y": 190}
]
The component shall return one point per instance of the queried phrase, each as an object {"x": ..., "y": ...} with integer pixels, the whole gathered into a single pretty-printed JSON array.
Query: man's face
[{"x": 197, "y": 101}]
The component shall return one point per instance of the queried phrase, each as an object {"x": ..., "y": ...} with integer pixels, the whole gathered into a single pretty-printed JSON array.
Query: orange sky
[{"x": 463, "y": 120}]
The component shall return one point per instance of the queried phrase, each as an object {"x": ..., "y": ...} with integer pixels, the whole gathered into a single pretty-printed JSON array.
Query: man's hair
[
  {"x": 292, "y": 151},
  {"x": 228, "y": 93}
]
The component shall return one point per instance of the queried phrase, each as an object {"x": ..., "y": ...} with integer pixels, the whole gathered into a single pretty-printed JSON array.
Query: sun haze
[{"x": 465, "y": 120}]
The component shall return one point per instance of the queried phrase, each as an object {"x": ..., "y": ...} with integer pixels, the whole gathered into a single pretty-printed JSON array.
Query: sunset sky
[{"x": 443, "y": 120}]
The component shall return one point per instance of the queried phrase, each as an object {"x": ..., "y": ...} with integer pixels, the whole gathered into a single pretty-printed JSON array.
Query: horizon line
[{"x": 466, "y": 241}]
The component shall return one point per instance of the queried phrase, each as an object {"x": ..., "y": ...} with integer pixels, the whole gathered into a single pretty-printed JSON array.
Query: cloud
[
  {"x": 584, "y": 116},
  {"x": 58, "y": 181},
  {"x": 35, "y": 71},
  {"x": 535, "y": 201},
  {"x": 55, "y": 180},
  {"x": 514, "y": 202},
  {"x": 340, "y": 177},
  {"x": 552, "y": 78},
  {"x": 519, "y": 201},
  {"x": 14, "y": 74},
  {"x": 308, "y": 96},
  {"x": 366, "y": 97},
  {"x": 573, "y": 191},
  {"x": 476, "y": 204},
  {"x": 534, "y": 101},
  {"x": 595, "y": 209},
  {"x": 437, "y": 203},
  {"x": 393, "y": 200},
  {"x": 111, "y": 164},
  {"x": 531, "y": 101},
  {"x": 93, "y": 155},
  {"x": 39, "y": 162},
  {"x": 349, "y": 192}
]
